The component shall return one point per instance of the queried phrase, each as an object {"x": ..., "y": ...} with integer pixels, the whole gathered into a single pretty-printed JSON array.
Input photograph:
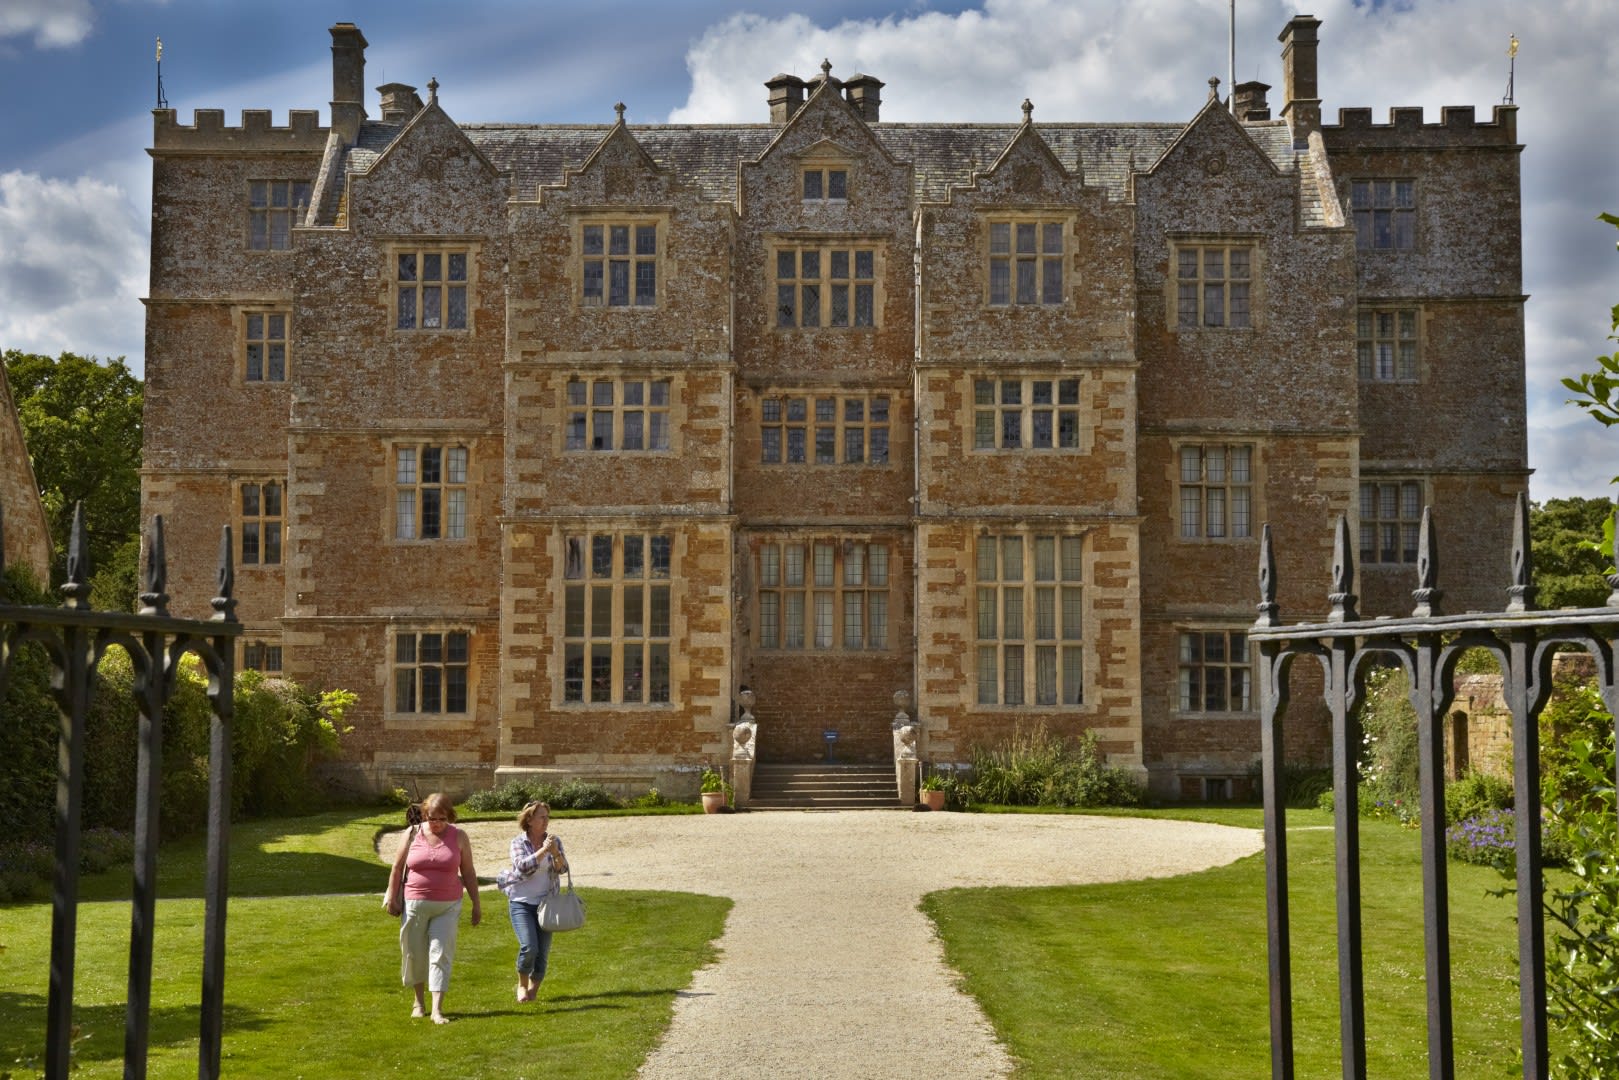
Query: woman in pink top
[{"x": 439, "y": 858}]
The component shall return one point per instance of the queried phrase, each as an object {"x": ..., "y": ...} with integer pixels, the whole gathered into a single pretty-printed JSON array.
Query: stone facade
[
  {"x": 27, "y": 536},
  {"x": 550, "y": 439}
]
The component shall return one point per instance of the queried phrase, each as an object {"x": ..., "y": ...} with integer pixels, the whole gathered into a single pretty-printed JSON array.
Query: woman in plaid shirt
[{"x": 537, "y": 859}]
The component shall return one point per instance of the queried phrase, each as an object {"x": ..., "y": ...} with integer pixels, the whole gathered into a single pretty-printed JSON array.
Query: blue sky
[{"x": 75, "y": 180}]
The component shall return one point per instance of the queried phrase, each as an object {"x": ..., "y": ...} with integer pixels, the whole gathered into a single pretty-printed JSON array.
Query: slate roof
[{"x": 943, "y": 155}]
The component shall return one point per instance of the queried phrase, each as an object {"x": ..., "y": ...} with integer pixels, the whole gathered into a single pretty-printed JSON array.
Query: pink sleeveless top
[{"x": 435, "y": 870}]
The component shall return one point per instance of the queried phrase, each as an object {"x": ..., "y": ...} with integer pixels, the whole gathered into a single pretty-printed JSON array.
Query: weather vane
[
  {"x": 162, "y": 102},
  {"x": 1512, "y": 66}
]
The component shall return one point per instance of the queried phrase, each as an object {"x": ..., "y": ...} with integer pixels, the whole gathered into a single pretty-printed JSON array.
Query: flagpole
[
  {"x": 162, "y": 102},
  {"x": 1231, "y": 68}
]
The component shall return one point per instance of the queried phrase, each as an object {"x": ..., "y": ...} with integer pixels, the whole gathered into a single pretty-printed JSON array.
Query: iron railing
[
  {"x": 1427, "y": 645},
  {"x": 75, "y": 638}
]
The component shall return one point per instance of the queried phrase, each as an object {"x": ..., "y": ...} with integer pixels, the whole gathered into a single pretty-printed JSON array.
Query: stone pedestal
[{"x": 906, "y": 765}]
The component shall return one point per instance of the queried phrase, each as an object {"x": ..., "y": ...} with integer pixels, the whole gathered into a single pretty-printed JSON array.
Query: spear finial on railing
[
  {"x": 225, "y": 604},
  {"x": 155, "y": 572},
  {"x": 76, "y": 588},
  {"x": 1268, "y": 608},
  {"x": 1343, "y": 576},
  {"x": 1521, "y": 593},
  {"x": 1427, "y": 593}
]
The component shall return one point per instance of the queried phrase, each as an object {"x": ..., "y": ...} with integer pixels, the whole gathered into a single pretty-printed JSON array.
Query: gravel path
[{"x": 828, "y": 968}]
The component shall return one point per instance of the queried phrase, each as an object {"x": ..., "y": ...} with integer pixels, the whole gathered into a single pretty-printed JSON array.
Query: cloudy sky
[{"x": 75, "y": 182}]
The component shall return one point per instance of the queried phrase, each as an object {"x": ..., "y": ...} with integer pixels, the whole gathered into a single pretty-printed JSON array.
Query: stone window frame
[
  {"x": 1238, "y": 508},
  {"x": 420, "y": 248},
  {"x": 1241, "y": 289},
  {"x": 584, "y": 411},
  {"x": 581, "y": 261},
  {"x": 417, "y": 652},
  {"x": 825, "y": 249},
  {"x": 262, "y": 532},
  {"x": 255, "y": 328},
  {"x": 1390, "y": 519},
  {"x": 262, "y": 652},
  {"x": 274, "y": 206},
  {"x": 1396, "y": 327},
  {"x": 835, "y": 596},
  {"x": 595, "y": 617},
  {"x": 853, "y": 415},
  {"x": 1042, "y": 664},
  {"x": 453, "y": 495},
  {"x": 823, "y": 177},
  {"x": 1196, "y": 661},
  {"x": 1383, "y": 211},
  {"x": 997, "y": 411},
  {"x": 1039, "y": 256}
]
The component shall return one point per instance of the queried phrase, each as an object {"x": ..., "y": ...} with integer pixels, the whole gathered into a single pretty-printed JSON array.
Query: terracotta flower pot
[
  {"x": 933, "y": 800},
  {"x": 713, "y": 801}
]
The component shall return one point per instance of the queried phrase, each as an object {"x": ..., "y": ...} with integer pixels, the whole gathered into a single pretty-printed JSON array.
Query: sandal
[{"x": 417, "y": 1012}]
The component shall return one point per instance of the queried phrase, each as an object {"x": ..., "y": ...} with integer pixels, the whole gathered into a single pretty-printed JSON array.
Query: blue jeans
[{"x": 533, "y": 944}]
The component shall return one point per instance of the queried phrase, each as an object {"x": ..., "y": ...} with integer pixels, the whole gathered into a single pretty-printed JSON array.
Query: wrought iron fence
[
  {"x": 75, "y": 638},
  {"x": 1427, "y": 645}
]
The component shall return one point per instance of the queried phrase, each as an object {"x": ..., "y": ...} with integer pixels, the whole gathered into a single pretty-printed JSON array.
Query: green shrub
[
  {"x": 513, "y": 795},
  {"x": 651, "y": 800},
  {"x": 1302, "y": 785},
  {"x": 579, "y": 795},
  {"x": 1582, "y": 963},
  {"x": 1036, "y": 768},
  {"x": 28, "y": 737},
  {"x": 1487, "y": 838},
  {"x": 1475, "y": 794},
  {"x": 1389, "y": 755}
]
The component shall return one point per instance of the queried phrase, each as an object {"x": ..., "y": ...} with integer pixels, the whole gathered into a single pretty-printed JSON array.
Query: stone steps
[{"x": 824, "y": 787}]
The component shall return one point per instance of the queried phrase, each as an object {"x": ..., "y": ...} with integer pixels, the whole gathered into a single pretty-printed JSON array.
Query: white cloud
[
  {"x": 53, "y": 23},
  {"x": 75, "y": 267}
]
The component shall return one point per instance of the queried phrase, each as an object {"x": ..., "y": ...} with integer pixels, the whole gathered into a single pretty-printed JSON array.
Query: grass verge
[
  {"x": 312, "y": 970},
  {"x": 1167, "y": 978}
]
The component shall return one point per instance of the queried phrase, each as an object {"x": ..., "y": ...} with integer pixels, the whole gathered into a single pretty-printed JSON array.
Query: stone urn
[
  {"x": 933, "y": 800},
  {"x": 714, "y": 801}
]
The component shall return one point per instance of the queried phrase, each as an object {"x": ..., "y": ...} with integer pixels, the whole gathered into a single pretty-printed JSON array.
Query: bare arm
[{"x": 469, "y": 876}]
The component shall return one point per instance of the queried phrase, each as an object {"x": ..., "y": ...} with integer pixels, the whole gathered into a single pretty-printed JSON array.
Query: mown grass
[
  {"x": 312, "y": 970},
  {"x": 1168, "y": 978}
]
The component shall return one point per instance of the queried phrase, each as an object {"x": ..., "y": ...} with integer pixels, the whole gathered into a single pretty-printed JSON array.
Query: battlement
[
  {"x": 1457, "y": 126},
  {"x": 256, "y": 133}
]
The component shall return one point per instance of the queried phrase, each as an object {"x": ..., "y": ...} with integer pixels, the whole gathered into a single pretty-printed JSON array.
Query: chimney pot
[
  {"x": 864, "y": 94},
  {"x": 399, "y": 102},
  {"x": 1249, "y": 101},
  {"x": 786, "y": 97}
]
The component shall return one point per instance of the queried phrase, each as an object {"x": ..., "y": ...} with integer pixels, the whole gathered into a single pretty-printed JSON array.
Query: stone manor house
[{"x": 550, "y": 439}]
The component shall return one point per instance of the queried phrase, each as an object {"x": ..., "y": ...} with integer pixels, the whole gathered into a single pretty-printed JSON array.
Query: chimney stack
[
  {"x": 863, "y": 93},
  {"x": 348, "y": 80},
  {"x": 786, "y": 97},
  {"x": 1301, "y": 107},
  {"x": 1249, "y": 101},
  {"x": 399, "y": 102}
]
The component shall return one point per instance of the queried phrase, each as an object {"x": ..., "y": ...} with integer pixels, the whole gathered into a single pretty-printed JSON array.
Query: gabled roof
[{"x": 942, "y": 155}]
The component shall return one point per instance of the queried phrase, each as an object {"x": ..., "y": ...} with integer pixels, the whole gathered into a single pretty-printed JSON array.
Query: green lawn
[
  {"x": 312, "y": 971},
  {"x": 1167, "y": 978}
]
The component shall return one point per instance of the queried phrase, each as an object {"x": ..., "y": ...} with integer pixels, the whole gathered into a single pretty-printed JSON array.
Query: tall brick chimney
[
  {"x": 1249, "y": 101},
  {"x": 1301, "y": 106},
  {"x": 863, "y": 92},
  {"x": 348, "y": 80},
  {"x": 786, "y": 97}
]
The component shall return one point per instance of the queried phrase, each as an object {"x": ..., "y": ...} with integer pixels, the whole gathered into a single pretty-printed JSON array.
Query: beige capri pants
[{"x": 427, "y": 942}]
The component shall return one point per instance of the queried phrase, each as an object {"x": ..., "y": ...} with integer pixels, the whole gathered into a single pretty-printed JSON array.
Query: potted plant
[
  {"x": 933, "y": 791},
  {"x": 716, "y": 792}
]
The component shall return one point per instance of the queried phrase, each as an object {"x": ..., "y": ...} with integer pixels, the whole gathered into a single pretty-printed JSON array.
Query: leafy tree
[
  {"x": 1568, "y": 563},
  {"x": 81, "y": 418},
  {"x": 1597, "y": 392}
]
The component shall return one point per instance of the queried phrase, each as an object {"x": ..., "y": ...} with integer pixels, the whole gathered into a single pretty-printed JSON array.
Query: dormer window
[{"x": 826, "y": 185}]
